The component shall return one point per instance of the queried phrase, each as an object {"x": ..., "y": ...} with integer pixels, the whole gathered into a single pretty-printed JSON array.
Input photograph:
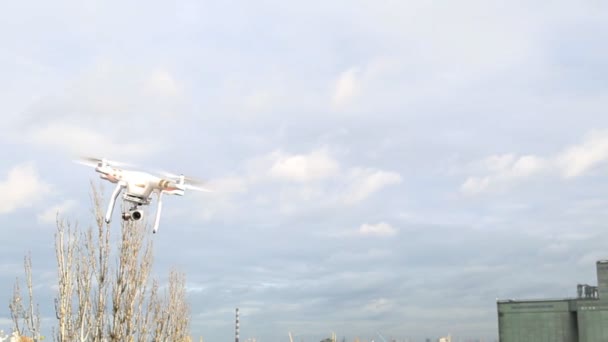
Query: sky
[{"x": 378, "y": 166}]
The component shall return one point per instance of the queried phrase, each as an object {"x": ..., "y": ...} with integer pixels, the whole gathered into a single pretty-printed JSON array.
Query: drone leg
[
  {"x": 113, "y": 202},
  {"x": 159, "y": 207}
]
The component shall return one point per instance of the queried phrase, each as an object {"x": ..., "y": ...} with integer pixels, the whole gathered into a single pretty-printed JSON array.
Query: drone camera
[{"x": 134, "y": 215}]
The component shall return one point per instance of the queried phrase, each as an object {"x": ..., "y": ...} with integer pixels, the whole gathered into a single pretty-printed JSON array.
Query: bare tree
[
  {"x": 96, "y": 302},
  {"x": 32, "y": 314},
  {"x": 66, "y": 241},
  {"x": 178, "y": 320},
  {"x": 130, "y": 284},
  {"x": 16, "y": 308},
  {"x": 82, "y": 266},
  {"x": 153, "y": 326},
  {"x": 171, "y": 314},
  {"x": 100, "y": 254},
  {"x": 25, "y": 316}
]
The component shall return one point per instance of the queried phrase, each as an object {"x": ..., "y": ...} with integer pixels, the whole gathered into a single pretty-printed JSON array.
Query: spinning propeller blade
[
  {"x": 188, "y": 182},
  {"x": 197, "y": 188},
  {"x": 93, "y": 161}
]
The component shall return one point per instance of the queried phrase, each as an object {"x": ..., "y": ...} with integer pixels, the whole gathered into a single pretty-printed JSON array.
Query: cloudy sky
[{"x": 391, "y": 166}]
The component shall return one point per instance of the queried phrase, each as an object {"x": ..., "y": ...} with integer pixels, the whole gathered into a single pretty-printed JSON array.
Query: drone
[{"x": 139, "y": 187}]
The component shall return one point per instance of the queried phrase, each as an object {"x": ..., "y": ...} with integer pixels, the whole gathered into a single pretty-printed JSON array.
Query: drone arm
[
  {"x": 113, "y": 201},
  {"x": 159, "y": 207}
]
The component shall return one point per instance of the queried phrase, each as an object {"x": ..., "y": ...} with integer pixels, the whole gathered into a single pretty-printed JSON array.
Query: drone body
[{"x": 138, "y": 188}]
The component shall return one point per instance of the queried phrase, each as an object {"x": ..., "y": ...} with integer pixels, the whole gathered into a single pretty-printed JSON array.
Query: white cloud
[
  {"x": 101, "y": 108},
  {"x": 578, "y": 159},
  {"x": 346, "y": 87},
  {"x": 475, "y": 185},
  {"x": 80, "y": 140},
  {"x": 294, "y": 183},
  {"x": 21, "y": 188},
  {"x": 527, "y": 166},
  {"x": 573, "y": 161},
  {"x": 109, "y": 91},
  {"x": 364, "y": 182},
  {"x": 49, "y": 216},
  {"x": 219, "y": 202},
  {"x": 262, "y": 99},
  {"x": 503, "y": 169},
  {"x": 378, "y": 229},
  {"x": 372, "y": 254},
  {"x": 215, "y": 208},
  {"x": 162, "y": 83},
  {"x": 378, "y": 305},
  {"x": 316, "y": 165},
  {"x": 498, "y": 163}
]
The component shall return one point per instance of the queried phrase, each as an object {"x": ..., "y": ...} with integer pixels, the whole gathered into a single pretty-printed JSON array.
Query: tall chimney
[{"x": 236, "y": 336}]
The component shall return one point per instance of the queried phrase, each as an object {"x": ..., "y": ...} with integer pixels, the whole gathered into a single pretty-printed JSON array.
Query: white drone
[{"x": 139, "y": 187}]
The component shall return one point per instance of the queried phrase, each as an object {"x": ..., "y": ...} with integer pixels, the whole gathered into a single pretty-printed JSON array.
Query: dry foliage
[
  {"x": 25, "y": 317},
  {"x": 97, "y": 302}
]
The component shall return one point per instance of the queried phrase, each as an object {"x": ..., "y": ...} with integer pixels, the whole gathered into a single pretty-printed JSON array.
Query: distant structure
[
  {"x": 446, "y": 339},
  {"x": 580, "y": 319},
  {"x": 333, "y": 338},
  {"x": 236, "y": 330}
]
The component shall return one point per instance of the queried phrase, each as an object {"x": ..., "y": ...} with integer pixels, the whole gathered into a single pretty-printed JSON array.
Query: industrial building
[{"x": 580, "y": 319}]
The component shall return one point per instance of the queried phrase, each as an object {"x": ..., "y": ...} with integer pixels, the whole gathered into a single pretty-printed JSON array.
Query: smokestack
[{"x": 236, "y": 336}]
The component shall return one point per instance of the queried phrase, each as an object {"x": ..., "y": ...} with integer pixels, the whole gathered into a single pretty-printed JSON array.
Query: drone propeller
[
  {"x": 93, "y": 162},
  {"x": 197, "y": 188},
  {"x": 180, "y": 177},
  {"x": 187, "y": 182}
]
